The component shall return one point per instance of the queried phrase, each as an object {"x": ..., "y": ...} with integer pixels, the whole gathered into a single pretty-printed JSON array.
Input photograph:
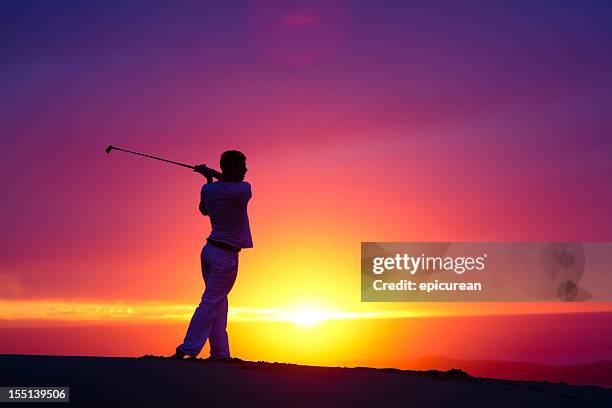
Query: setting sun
[{"x": 306, "y": 317}]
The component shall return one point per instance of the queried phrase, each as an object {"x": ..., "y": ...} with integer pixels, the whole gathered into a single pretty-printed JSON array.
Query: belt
[{"x": 223, "y": 245}]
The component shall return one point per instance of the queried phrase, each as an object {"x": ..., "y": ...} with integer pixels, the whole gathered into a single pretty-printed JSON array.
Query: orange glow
[{"x": 304, "y": 313}]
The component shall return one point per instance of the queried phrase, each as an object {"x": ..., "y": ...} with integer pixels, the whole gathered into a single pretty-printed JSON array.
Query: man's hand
[{"x": 205, "y": 171}]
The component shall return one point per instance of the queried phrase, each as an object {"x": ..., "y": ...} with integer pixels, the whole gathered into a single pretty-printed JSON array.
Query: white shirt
[{"x": 226, "y": 204}]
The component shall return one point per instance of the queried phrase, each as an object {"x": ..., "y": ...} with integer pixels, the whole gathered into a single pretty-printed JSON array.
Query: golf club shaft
[
  {"x": 216, "y": 174},
  {"x": 153, "y": 157}
]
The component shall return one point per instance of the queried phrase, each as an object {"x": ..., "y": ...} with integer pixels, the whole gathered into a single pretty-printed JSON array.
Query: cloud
[
  {"x": 15, "y": 312},
  {"x": 84, "y": 311}
]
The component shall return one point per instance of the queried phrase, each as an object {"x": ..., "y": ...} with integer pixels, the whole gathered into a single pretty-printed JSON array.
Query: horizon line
[{"x": 61, "y": 311}]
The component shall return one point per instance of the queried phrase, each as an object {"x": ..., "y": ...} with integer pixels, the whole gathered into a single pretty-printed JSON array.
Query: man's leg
[
  {"x": 219, "y": 268},
  {"x": 219, "y": 344}
]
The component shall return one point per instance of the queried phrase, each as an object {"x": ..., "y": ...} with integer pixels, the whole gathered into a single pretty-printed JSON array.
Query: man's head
[{"x": 233, "y": 165}]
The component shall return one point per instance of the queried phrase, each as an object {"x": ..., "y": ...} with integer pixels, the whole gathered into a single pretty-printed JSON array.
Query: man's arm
[
  {"x": 203, "y": 208},
  {"x": 207, "y": 172},
  {"x": 202, "y": 205}
]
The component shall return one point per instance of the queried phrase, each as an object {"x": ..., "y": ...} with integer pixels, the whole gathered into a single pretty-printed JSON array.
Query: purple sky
[{"x": 389, "y": 120}]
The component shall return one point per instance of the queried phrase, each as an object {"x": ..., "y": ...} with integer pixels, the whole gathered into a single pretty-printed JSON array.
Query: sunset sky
[{"x": 361, "y": 121}]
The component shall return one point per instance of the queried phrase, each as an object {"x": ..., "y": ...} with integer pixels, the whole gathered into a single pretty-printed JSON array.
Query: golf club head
[{"x": 109, "y": 148}]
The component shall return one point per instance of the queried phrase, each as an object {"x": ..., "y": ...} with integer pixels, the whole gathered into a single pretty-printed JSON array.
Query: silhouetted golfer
[{"x": 225, "y": 202}]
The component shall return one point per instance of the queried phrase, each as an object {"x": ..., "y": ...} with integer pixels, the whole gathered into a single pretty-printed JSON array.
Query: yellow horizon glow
[
  {"x": 155, "y": 311},
  {"x": 302, "y": 314}
]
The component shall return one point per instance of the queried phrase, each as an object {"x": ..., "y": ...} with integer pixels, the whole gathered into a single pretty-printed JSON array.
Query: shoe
[{"x": 179, "y": 355}]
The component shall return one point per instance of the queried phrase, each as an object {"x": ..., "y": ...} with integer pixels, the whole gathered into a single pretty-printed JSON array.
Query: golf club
[{"x": 110, "y": 148}]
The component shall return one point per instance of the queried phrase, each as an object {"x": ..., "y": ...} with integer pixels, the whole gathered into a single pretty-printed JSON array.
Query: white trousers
[{"x": 209, "y": 321}]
